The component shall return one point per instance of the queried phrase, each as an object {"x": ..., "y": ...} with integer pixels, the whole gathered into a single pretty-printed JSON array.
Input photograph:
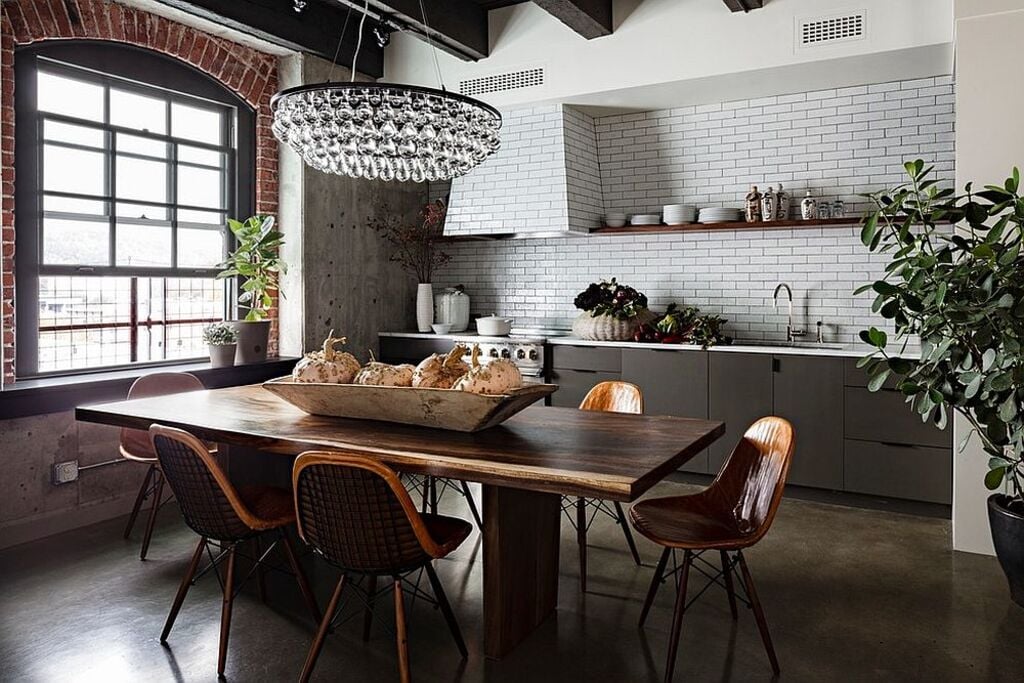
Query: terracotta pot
[
  {"x": 252, "y": 341},
  {"x": 1008, "y": 538},
  {"x": 606, "y": 327},
  {"x": 222, "y": 355}
]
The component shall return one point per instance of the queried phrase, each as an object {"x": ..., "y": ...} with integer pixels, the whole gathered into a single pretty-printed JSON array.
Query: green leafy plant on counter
[
  {"x": 256, "y": 261},
  {"x": 961, "y": 292},
  {"x": 608, "y": 297},
  {"x": 220, "y": 334},
  {"x": 684, "y": 325}
]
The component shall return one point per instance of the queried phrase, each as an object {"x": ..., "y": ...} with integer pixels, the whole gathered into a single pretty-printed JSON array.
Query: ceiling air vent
[
  {"x": 831, "y": 29},
  {"x": 510, "y": 80}
]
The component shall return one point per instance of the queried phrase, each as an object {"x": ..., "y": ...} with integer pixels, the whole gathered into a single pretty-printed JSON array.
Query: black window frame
[{"x": 131, "y": 68}]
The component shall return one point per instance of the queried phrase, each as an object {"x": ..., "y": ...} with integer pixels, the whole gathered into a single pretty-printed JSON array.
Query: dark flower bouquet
[
  {"x": 611, "y": 298},
  {"x": 416, "y": 244}
]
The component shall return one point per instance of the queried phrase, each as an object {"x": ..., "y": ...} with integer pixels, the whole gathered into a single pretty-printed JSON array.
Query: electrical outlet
[{"x": 65, "y": 472}]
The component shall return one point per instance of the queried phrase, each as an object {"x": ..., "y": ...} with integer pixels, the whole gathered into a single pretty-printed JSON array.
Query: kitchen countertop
[{"x": 802, "y": 349}]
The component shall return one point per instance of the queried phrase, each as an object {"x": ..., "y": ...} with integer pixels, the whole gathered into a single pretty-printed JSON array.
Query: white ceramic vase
[{"x": 424, "y": 306}]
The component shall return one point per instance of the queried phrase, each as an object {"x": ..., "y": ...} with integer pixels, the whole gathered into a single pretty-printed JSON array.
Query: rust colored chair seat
[
  {"x": 732, "y": 514},
  {"x": 272, "y": 507},
  {"x": 447, "y": 532}
]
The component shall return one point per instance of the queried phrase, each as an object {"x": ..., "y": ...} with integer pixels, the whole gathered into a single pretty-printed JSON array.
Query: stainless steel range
[{"x": 527, "y": 352}]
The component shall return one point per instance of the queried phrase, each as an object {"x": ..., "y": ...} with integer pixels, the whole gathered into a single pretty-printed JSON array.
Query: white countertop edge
[{"x": 834, "y": 350}]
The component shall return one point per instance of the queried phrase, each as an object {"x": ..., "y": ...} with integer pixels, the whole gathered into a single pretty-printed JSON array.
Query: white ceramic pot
[
  {"x": 424, "y": 306},
  {"x": 222, "y": 355},
  {"x": 494, "y": 326},
  {"x": 252, "y": 341},
  {"x": 453, "y": 308}
]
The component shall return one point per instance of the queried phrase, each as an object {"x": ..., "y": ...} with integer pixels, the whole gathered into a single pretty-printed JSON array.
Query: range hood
[{"x": 544, "y": 181}]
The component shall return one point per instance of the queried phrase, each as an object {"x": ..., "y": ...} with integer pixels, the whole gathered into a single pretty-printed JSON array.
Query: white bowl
[{"x": 441, "y": 328}]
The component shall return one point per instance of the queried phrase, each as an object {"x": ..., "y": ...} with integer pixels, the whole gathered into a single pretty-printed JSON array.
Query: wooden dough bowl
[{"x": 459, "y": 411}]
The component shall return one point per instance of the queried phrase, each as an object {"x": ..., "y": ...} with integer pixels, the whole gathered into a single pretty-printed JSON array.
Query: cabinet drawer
[
  {"x": 911, "y": 472},
  {"x": 573, "y": 385},
  {"x": 408, "y": 350},
  {"x": 586, "y": 358},
  {"x": 858, "y": 377},
  {"x": 884, "y": 416}
]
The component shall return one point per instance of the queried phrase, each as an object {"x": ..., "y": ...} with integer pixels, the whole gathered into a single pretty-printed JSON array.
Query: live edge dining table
[{"x": 525, "y": 465}]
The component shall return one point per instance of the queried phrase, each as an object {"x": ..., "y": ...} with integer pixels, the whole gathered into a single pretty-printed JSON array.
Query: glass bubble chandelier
[{"x": 386, "y": 131}]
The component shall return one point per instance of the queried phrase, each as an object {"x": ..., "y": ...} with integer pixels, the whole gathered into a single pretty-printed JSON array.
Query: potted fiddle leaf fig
[
  {"x": 256, "y": 262},
  {"x": 955, "y": 282}
]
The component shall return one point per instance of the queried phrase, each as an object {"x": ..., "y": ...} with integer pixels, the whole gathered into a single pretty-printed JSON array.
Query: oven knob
[
  {"x": 505, "y": 353},
  {"x": 520, "y": 354},
  {"x": 533, "y": 354},
  {"x": 493, "y": 353}
]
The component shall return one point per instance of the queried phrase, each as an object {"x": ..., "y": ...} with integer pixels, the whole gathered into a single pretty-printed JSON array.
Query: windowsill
[{"x": 42, "y": 395}]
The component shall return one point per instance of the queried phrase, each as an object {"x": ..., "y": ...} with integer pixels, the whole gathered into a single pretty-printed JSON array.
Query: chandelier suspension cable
[
  {"x": 359, "y": 40},
  {"x": 433, "y": 48},
  {"x": 337, "y": 50}
]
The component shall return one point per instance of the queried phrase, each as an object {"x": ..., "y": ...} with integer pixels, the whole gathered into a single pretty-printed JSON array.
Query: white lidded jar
[{"x": 453, "y": 308}]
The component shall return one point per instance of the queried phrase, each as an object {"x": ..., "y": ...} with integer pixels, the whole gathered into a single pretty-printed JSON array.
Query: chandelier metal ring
[{"x": 386, "y": 131}]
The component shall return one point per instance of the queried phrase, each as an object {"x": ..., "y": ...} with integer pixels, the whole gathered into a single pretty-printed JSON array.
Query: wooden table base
[{"x": 520, "y": 564}]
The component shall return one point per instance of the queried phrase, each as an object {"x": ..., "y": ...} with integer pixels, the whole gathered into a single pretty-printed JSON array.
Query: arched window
[{"x": 127, "y": 164}]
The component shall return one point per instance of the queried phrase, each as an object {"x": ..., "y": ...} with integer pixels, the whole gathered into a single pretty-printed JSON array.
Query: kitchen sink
[{"x": 788, "y": 344}]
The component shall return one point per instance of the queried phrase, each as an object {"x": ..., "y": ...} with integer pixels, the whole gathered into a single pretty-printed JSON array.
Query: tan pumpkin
[
  {"x": 380, "y": 374},
  {"x": 327, "y": 365},
  {"x": 497, "y": 377},
  {"x": 441, "y": 372}
]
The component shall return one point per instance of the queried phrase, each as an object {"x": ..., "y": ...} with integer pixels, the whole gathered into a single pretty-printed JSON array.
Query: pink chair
[{"x": 137, "y": 446}]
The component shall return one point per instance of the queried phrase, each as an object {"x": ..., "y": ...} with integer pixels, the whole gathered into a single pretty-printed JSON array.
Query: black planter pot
[{"x": 1008, "y": 537}]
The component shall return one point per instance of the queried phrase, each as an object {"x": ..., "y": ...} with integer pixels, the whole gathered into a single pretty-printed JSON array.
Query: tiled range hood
[{"x": 544, "y": 180}]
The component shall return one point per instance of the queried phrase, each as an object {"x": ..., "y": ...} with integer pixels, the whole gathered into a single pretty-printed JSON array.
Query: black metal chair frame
[
  {"x": 581, "y": 513},
  {"x": 430, "y": 494},
  {"x": 152, "y": 485}
]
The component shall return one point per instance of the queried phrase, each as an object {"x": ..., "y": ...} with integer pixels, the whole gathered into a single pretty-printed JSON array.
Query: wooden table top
[{"x": 558, "y": 450}]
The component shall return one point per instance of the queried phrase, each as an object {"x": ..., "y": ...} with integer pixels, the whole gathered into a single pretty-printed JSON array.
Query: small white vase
[{"x": 424, "y": 306}]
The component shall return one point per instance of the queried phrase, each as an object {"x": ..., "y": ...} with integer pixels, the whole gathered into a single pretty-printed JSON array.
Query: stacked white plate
[
  {"x": 720, "y": 215},
  {"x": 678, "y": 214},
  {"x": 645, "y": 219}
]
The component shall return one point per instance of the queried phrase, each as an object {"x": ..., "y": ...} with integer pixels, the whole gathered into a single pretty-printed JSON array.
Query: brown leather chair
[
  {"x": 137, "y": 447},
  {"x": 354, "y": 512},
  {"x": 612, "y": 397},
  {"x": 733, "y": 513},
  {"x": 226, "y": 516}
]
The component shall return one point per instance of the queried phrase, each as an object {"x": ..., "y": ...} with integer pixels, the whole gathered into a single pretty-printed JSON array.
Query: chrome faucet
[{"x": 791, "y": 334}]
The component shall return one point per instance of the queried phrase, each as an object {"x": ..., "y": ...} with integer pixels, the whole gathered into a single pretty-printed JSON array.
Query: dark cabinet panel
[
  {"x": 573, "y": 385},
  {"x": 739, "y": 392},
  {"x": 808, "y": 391},
  {"x": 897, "y": 471},
  {"x": 410, "y": 349},
  {"x": 674, "y": 382},
  {"x": 858, "y": 377},
  {"x": 602, "y": 358},
  {"x": 885, "y": 416}
]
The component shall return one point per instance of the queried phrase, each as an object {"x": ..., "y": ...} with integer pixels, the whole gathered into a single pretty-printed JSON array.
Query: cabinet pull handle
[
  {"x": 893, "y": 444},
  {"x": 776, "y": 365}
]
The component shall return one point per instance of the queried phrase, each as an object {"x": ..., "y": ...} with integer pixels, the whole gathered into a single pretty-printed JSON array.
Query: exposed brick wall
[{"x": 249, "y": 73}]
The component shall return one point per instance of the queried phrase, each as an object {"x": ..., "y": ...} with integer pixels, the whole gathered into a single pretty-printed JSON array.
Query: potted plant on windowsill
[
  {"x": 611, "y": 312},
  {"x": 222, "y": 339},
  {"x": 255, "y": 260},
  {"x": 417, "y": 252},
  {"x": 960, "y": 290}
]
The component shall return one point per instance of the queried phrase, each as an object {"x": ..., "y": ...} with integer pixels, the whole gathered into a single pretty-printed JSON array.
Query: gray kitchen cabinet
[
  {"x": 739, "y": 392},
  {"x": 808, "y": 391},
  {"x": 885, "y": 416},
  {"x": 576, "y": 369},
  {"x": 899, "y": 471},
  {"x": 674, "y": 382}
]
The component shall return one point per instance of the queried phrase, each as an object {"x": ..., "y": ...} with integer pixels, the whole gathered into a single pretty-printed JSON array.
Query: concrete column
[{"x": 989, "y": 143}]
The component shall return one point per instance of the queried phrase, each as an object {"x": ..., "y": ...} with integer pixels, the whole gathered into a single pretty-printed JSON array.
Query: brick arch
[{"x": 247, "y": 72}]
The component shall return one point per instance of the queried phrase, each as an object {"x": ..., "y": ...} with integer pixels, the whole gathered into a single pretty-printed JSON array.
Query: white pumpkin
[
  {"x": 384, "y": 374},
  {"x": 327, "y": 365},
  {"x": 441, "y": 372},
  {"x": 497, "y": 377}
]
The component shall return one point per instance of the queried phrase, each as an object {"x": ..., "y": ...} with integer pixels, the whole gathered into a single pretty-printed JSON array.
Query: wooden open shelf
[{"x": 713, "y": 227}]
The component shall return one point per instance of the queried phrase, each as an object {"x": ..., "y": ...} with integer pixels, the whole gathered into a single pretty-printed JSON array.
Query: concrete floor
[{"x": 850, "y": 595}]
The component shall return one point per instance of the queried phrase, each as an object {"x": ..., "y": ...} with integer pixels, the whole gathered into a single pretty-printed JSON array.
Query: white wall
[
  {"x": 667, "y": 41},
  {"x": 989, "y": 143}
]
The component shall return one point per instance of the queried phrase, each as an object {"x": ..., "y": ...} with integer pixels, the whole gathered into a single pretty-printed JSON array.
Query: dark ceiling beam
[
  {"x": 589, "y": 18},
  {"x": 743, "y": 5},
  {"x": 315, "y": 30},
  {"x": 458, "y": 27}
]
